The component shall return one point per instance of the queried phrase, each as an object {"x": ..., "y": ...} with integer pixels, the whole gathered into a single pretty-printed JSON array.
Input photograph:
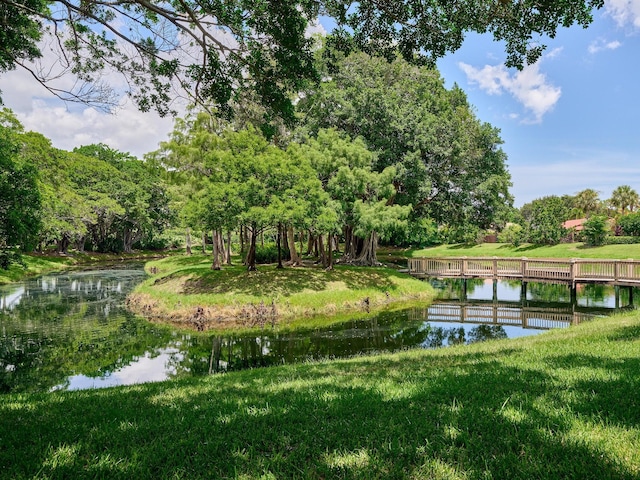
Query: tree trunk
[
  {"x": 241, "y": 235},
  {"x": 80, "y": 244},
  {"x": 368, "y": 254},
  {"x": 295, "y": 258},
  {"x": 187, "y": 241},
  {"x": 321, "y": 252},
  {"x": 127, "y": 240},
  {"x": 330, "y": 253},
  {"x": 310, "y": 244},
  {"x": 349, "y": 244},
  {"x": 279, "y": 245},
  {"x": 229, "y": 247},
  {"x": 216, "y": 252},
  {"x": 251, "y": 256},
  {"x": 222, "y": 251}
]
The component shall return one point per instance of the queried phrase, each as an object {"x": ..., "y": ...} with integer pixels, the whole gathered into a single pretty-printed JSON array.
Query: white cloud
[
  {"x": 602, "y": 44},
  {"x": 528, "y": 86},
  {"x": 624, "y": 12}
]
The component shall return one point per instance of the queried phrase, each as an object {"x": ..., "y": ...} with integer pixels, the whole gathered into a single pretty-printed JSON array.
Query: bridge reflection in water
[
  {"x": 535, "y": 315},
  {"x": 542, "y": 306}
]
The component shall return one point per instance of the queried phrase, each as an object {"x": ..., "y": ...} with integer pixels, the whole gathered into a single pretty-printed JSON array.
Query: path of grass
[
  {"x": 564, "y": 404},
  {"x": 563, "y": 250},
  {"x": 228, "y": 298}
]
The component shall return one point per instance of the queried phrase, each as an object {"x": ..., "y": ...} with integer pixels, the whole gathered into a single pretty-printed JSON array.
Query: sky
[{"x": 569, "y": 122}]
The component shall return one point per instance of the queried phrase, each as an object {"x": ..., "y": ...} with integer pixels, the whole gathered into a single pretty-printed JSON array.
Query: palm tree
[
  {"x": 587, "y": 202},
  {"x": 625, "y": 199}
]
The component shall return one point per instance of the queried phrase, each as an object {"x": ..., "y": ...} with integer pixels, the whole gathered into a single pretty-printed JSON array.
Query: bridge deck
[{"x": 613, "y": 272}]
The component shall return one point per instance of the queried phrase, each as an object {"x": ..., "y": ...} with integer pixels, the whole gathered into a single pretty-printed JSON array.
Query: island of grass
[{"x": 185, "y": 291}]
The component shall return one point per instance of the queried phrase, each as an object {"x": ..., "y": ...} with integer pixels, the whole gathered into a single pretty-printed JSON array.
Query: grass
[
  {"x": 34, "y": 265},
  {"x": 563, "y": 250},
  {"x": 228, "y": 297},
  {"x": 39, "y": 264},
  {"x": 563, "y": 404}
]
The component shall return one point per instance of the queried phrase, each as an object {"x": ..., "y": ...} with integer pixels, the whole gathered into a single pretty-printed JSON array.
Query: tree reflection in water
[{"x": 72, "y": 331}]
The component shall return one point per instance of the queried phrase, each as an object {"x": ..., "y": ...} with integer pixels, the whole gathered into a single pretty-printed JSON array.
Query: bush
[
  {"x": 596, "y": 230},
  {"x": 269, "y": 253},
  {"x": 512, "y": 234},
  {"x": 621, "y": 240},
  {"x": 630, "y": 224}
]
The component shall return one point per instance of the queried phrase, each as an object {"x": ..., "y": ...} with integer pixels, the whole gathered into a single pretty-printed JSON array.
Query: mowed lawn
[
  {"x": 561, "y": 405},
  {"x": 563, "y": 250}
]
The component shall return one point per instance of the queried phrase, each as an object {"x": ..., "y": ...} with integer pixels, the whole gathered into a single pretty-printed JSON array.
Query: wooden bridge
[{"x": 571, "y": 272}]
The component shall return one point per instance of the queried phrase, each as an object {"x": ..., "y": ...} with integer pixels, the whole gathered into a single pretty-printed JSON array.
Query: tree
[
  {"x": 544, "y": 217},
  {"x": 587, "y": 202},
  {"x": 630, "y": 224},
  {"x": 596, "y": 229},
  {"x": 215, "y": 51},
  {"x": 624, "y": 199},
  {"x": 449, "y": 165},
  {"x": 20, "y": 200},
  {"x": 345, "y": 169},
  {"x": 142, "y": 194}
]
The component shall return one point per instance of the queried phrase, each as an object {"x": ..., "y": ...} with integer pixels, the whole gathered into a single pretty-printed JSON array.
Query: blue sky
[
  {"x": 568, "y": 123},
  {"x": 571, "y": 121}
]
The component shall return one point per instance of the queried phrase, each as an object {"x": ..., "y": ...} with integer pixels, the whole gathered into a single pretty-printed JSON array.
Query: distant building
[{"x": 575, "y": 225}]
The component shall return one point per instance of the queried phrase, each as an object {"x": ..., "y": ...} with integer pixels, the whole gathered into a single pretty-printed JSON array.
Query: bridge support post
[
  {"x": 574, "y": 293},
  {"x": 631, "y": 296},
  {"x": 523, "y": 291},
  {"x": 464, "y": 290},
  {"x": 617, "y": 290},
  {"x": 495, "y": 290}
]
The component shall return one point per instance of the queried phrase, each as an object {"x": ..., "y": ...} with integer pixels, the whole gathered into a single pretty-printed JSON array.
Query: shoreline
[{"x": 185, "y": 292}]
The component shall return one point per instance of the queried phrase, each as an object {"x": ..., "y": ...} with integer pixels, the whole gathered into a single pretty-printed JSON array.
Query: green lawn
[
  {"x": 563, "y": 250},
  {"x": 36, "y": 264},
  {"x": 181, "y": 284},
  {"x": 561, "y": 405}
]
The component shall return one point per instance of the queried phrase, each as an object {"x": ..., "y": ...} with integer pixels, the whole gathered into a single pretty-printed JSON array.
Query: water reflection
[{"x": 71, "y": 331}]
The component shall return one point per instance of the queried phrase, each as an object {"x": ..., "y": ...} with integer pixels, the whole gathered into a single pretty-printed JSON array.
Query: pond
[{"x": 71, "y": 331}]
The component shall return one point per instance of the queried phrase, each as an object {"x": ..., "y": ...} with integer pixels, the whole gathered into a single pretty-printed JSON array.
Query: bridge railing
[{"x": 573, "y": 270}]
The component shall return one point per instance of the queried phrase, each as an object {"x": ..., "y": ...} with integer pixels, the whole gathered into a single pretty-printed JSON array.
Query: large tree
[
  {"x": 449, "y": 165},
  {"x": 213, "y": 51},
  {"x": 20, "y": 200},
  {"x": 345, "y": 168}
]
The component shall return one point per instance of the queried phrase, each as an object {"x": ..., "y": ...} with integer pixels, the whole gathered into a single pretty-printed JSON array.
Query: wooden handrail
[{"x": 575, "y": 270}]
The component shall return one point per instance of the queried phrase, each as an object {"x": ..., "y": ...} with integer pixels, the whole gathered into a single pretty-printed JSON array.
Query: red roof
[{"x": 574, "y": 224}]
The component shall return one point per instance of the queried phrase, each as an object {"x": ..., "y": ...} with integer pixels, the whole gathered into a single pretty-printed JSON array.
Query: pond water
[{"x": 71, "y": 330}]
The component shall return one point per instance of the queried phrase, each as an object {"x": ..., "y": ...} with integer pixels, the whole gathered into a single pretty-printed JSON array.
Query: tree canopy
[
  {"x": 448, "y": 165},
  {"x": 214, "y": 52}
]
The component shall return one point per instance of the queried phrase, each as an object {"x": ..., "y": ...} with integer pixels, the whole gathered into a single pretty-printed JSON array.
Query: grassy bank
[
  {"x": 185, "y": 291},
  {"x": 36, "y": 264},
  {"x": 563, "y": 250},
  {"x": 563, "y": 404}
]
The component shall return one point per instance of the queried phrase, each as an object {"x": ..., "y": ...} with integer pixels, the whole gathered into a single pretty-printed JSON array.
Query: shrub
[
  {"x": 622, "y": 240},
  {"x": 630, "y": 224},
  {"x": 512, "y": 234},
  {"x": 269, "y": 253},
  {"x": 596, "y": 229}
]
